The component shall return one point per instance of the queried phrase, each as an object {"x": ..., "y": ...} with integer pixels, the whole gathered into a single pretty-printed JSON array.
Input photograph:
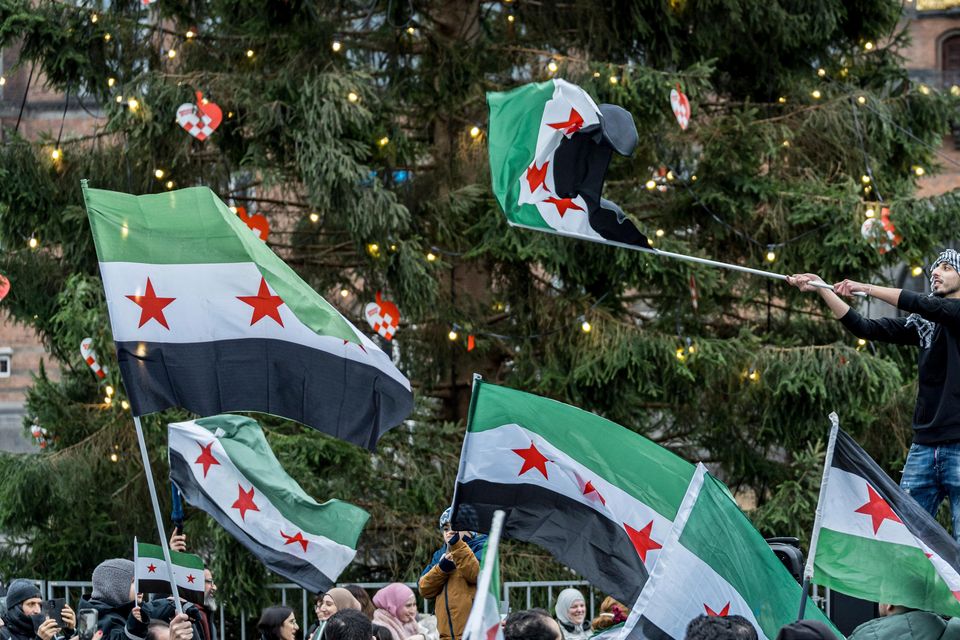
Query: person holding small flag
[{"x": 932, "y": 470}]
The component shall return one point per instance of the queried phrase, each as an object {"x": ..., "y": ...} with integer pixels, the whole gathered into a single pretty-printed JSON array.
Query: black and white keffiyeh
[{"x": 925, "y": 327}]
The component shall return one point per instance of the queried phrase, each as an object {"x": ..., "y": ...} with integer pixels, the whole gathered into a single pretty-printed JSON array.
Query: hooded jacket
[
  {"x": 453, "y": 587},
  {"x": 911, "y": 625},
  {"x": 112, "y": 620}
]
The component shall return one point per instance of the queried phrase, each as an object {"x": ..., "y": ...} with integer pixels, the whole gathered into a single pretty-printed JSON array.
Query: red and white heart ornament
[
  {"x": 680, "y": 106},
  {"x": 200, "y": 119},
  {"x": 383, "y": 316}
]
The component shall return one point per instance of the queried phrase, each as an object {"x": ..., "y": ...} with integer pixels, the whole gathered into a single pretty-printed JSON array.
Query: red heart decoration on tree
[
  {"x": 201, "y": 119},
  {"x": 383, "y": 316},
  {"x": 4, "y": 287},
  {"x": 257, "y": 223}
]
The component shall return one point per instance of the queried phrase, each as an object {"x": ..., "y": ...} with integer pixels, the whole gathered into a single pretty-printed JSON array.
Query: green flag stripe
[
  {"x": 864, "y": 571},
  {"x": 512, "y": 142},
  {"x": 188, "y": 560},
  {"x": 192, "y": 226},
  {"x": 721, "y": 536},
  {"x": 615, "y": 453}
]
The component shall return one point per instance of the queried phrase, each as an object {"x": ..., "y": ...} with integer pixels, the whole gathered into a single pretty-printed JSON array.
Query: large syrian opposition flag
[
  {"x": 599, "y": 497},
  {"x": 206, "y": 317},
  {"x": 714, "y": 563},
  {"x": 873, "y": 541},
  {"x": 151, "y": 576},
  {"x": 225, "y": 466},
  {"x": 550, "y": 145}
]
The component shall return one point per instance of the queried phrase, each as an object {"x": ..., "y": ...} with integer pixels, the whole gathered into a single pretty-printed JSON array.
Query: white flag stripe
[
  {"x": 489, "y": 455},
  {"x": 182, "y": 574},
  {"x": 682, "y": 586},
  {"x": 207, "y": 308},
  {"x": 223, "y": 484},
  {"x": 847, "y": 492}
]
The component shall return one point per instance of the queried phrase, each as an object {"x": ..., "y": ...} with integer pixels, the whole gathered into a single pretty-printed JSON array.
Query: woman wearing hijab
[
  {"x": 571, "y": 610},
  {"x": 337, "y": 599},
  {"x": 397, "y": 611}
]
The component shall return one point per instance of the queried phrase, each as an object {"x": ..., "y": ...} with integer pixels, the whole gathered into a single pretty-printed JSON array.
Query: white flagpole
[
  {"x": 815, "y": 536},
  {"x": 156, "y": 514},
  {"x": 677, "y": 256},
  {"x": 473, "y": 629}
]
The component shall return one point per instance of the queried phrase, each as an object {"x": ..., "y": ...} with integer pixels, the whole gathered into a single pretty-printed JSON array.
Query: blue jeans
[{"x": 932, "y": 473}]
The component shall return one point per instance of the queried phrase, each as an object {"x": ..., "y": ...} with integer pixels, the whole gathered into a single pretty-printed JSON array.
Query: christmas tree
[{"x": 358, "y": 131}]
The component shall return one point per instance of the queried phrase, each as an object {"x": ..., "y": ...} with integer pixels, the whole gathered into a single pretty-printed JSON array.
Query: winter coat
[
  {"x": 453, "y": 590},
  {"x": 164, "y": 609},
  {"x": 19, "y": 626},
  {"x": 575, "y": 631},
  {"x": 912, "y": 625},
  {"x": 113, "y": 620}
]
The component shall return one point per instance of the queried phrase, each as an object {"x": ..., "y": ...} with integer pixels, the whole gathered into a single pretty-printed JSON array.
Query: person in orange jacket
[{"x": 451, "y": 578}]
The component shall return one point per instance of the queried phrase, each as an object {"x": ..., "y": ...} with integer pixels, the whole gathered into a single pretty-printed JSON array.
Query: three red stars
[
  {"x": 295, "y": 539},
  {"x": 721, "y": 614},
  {"x": 151, "y": 306},
  {"x": 641, "y": 539},
  {"x": 264, "y": 304},
  {"x": 537, "y": 177},
  {"x": 532, "y": 459},
  {"x": 878, "y": 510},
  {"x": 206, "y": 458},
  {"x": 563, "y": 204},
  {"x": 572, "y": 125},
  {"x": 245, "y": 503}
]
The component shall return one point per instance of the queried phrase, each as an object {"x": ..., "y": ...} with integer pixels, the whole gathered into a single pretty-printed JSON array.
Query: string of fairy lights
[{"x": 617, "y": 74}]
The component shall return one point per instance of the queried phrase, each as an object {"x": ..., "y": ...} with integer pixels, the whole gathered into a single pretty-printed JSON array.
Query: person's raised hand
[
  {"x": 178, "y": 542},
  {"x": 804, "y": 281},
  {"x": 181, "y": 628},
  {"x": 69, "y": 617},
  {"x": 48, "y": 629}
]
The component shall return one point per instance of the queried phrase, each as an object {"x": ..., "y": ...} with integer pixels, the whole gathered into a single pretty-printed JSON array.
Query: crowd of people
[{"x": 349, "y": 613}]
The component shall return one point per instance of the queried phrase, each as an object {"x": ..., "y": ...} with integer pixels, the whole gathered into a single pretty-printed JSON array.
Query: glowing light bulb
[
  {"x": 133, "y": 104},
  {"x": 660, "y": 233},
  {"x": 552, "y": 67},
  {"x": 352, "y": 97},
  {"x": 169, "y": 184},
  {"x": 107, "y": 400},
  {"x": 816, "y": 94},
  {"x": 862, "y": 99},
  {"x": 32, "y": 242},
  {"x": 94, "y": 17},
  {"x": 651, "y": 185},
  {"x": 190, "y": 33},
  {"x": 586, "y": 327},
  {"x": 868, "y": 45},
  {"x": 865, "y": 179},
  {"x": 55, "y": 154},
  {"x": 821, "y": 72},
  {"x": 106, "y": 37},
  {"x": 314, "y": 217},
  {"x": 924, "y": 89},
  {"x": 870, "y": 212},
  {"x": 411, "y": 31},
  {"x": 954, "y": 90},
  {"x": 681, "y": 355},
  {"x": 344, "y": 293},
  {"x": 3, "y": 81},
  {"x": 452, "y": 335},
  {"x": 786, "y": 143},
  {"x": 172, "y": 54},
  {"x": 384, "y": 141},
  {"x": 919, "y": 170},
  {"x": 109, "y": 390},
  {"x": 861, "y": 342},
  {"x": 474, "y": 131},
  {"x": 249, "y": 53},
  {"x": 782, "y": 100},
  {"x": 159, "y": 173},
  {"x": 916, "y": 271},
  {"x": 771, "y": 256},
  {"x": 511, "y": 18},
  {"x": 336, "y": 46},
  {"x": 373, "y": 249},
  {"x": 431, "y": 257},
  {"x": 114, "y": 457},
  {"x": 754, "y": 375},
  {"x": 614, "y": 79},
  {"x": 124, "y": 404}
]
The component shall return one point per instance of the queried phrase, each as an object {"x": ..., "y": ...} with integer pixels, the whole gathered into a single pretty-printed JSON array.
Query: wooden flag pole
[
  {"x": 156, "y": 513},
  {"x": 679, "y": 256}
]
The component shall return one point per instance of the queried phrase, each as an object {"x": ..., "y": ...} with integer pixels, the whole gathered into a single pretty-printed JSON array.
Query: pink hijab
[{"x": 390, "y": 602}]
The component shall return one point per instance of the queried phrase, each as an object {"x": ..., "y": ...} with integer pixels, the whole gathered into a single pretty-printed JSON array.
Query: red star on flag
[
  {"x": 722, "y": 613},
  {"x": 294, "y": 539},
  {"x": 589, "y": 488},
  {"x": 191, "y": 578},
  {"x": 151, "y": 307},
  {"x": 563, "y": 204},
  {"x": 537, "y": 177},
  {"x": 245, "y": 503},
  {"x": 572, "y": 125},
  {"x": 532, "y": 459},
  {"x": 641, "y": 539},
  {"x": 206, "y": 458},
  {"x": 878, "y": 510},
  {"x": 151, "y": 568},
  {"x": 264, "y": 304}
]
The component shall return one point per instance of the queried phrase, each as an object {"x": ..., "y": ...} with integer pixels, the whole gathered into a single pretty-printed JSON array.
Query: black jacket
[
  {"x": 936, "y": 418},
  {"x": 164, "y": 609},
  {"x": 115, "y": 621},
  {"x": 19, "y": 626}
]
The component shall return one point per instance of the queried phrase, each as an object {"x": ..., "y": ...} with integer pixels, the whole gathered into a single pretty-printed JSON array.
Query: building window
[
  {"x": 950, "y": 59},
  {"x": 6, "y": 357}
]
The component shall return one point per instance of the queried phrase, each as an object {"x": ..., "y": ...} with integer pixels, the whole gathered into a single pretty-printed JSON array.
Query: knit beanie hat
[
  {"x": 19, "y": 591},
  {"x": 111, "y": 581}
]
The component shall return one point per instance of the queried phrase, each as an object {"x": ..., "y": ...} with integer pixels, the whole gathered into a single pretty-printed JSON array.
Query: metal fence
[{"x": 514, "y": 596}]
